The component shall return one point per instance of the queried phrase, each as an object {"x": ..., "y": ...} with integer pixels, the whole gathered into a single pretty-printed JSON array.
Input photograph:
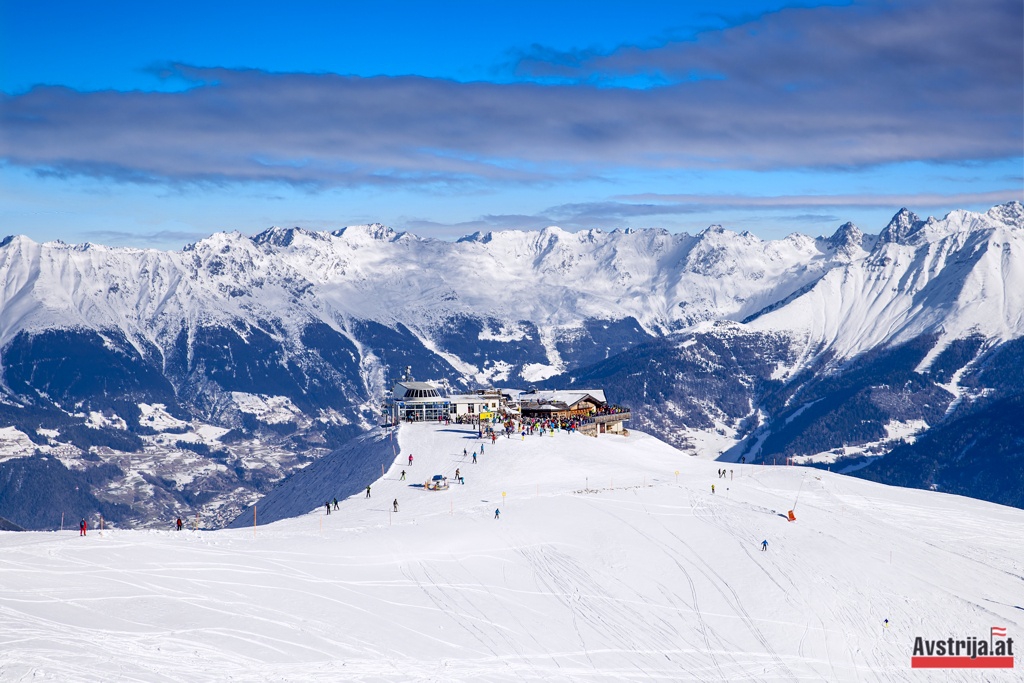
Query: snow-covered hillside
[
  {"x": 612, "y": 560},
  {"x": 960, "y": 276}
]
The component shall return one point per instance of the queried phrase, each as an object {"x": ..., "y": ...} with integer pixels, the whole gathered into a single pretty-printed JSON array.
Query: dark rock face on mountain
[
  {"x": 681, "y": 383},
  {"x": 978, "y": 449}
]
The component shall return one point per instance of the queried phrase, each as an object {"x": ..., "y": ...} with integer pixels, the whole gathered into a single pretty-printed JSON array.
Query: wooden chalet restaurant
[{"x": 588, "y": 406}]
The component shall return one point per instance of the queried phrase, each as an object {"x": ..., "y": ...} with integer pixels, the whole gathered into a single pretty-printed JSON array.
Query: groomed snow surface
[{"x": 603, "y": 567}]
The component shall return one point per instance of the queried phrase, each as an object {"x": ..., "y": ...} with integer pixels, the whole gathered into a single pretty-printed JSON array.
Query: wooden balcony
[{"x": 613, "y": 417}]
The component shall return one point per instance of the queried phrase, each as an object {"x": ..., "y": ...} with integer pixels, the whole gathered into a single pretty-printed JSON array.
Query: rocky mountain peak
[
  {"x": 904, "y": 224},
  {"x": 846, "y": 238}
]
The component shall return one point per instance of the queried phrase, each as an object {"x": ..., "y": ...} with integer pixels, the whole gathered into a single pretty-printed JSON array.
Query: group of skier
[{"x": 459, "y": 477}]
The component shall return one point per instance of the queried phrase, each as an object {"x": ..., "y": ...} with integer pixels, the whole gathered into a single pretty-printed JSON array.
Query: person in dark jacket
[{"x": 83, "y": 526}]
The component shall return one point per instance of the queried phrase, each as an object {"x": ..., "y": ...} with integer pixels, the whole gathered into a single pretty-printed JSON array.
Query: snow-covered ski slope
[{"x": 602, "y": 567}]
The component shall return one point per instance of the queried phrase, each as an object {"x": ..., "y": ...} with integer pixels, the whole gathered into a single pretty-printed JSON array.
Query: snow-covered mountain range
[{"x": 223, "y": 367}]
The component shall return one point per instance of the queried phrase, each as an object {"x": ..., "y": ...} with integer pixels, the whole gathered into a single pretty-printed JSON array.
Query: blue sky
[{"x": 155, "y": 124}]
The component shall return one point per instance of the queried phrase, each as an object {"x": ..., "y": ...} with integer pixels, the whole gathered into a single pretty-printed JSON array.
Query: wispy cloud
[
  {"x": 646, "y": 209},
  {"x": 156, "y": 238},
  {"x": 819, "y": 87},
  {"x": 703, "y": 202},
  {"x": 927, "y": 48},
  {"x": 650, "y": 206}
]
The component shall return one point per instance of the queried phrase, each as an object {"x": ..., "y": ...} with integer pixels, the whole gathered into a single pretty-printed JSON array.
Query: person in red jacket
[{"x": 83, "y": 526}]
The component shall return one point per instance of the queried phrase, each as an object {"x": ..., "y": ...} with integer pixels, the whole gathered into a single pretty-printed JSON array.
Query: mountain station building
[{"x": 417, "y": 401}]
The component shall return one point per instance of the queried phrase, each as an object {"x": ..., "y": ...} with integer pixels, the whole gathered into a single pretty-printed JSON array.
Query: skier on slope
[
  {"x": 395, "y": 505},
  {"x": 83, "y": 526},
  {"x": 410, "y": 460},
  {"x": 764, "y": 545},
  {"x": 474, "y": 457},
  {"x": 179, "y": 523},
  {"x": 497, "y": 513},
  {"x": 712, "y": 488},
  {"x": 367, "y": 491},
  {"x": 335, "y": 503},
  {"x": 328, "y": 506},
  {"x": 402, "y": 478}
]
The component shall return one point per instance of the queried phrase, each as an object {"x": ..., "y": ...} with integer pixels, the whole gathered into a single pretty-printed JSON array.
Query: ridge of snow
[{"x": 961, "y": 275}]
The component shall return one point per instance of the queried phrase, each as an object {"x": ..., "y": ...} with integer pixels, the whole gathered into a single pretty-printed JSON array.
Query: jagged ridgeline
[{"x": 143, "y": 385}]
